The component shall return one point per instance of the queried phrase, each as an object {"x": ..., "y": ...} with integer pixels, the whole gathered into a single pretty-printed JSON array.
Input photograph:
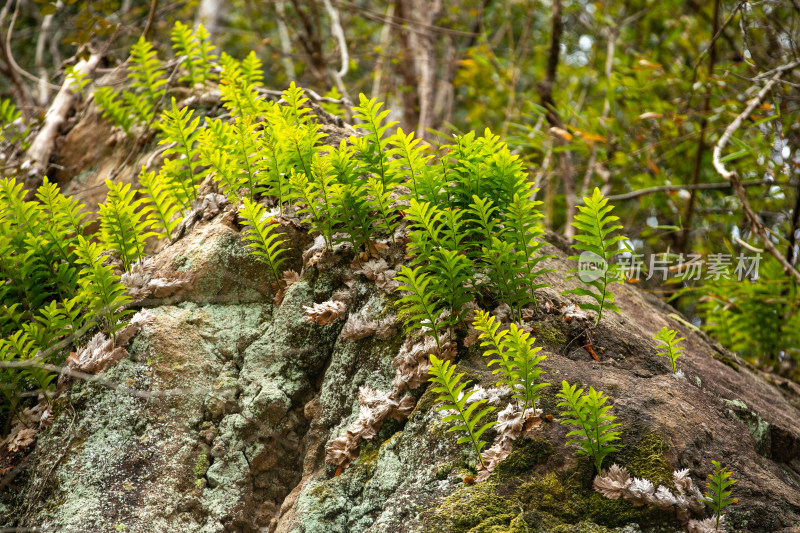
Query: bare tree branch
[{"x": 733, "y": 177}]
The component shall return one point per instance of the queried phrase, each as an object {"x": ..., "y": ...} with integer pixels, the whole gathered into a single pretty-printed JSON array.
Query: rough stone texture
[{"x": 242, "y": 449}]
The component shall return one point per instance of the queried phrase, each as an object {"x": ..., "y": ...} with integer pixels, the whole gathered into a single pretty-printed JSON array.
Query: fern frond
[
  {"x": 315, "y": 200},
  {"x": 450, "y": 389},
  {"x": 718, "y": 495},
  {"x": 521, "y": 219},
  {"x": 164, "y": 213},
  {"x": 382, "y": 203},
  {"x": 124, "y": 223},
  {"x": 370, "y": 149},
  {"x": 180, "y": 134},
  {"x": 113, "y": 109},
  {"x": 293, "y": 111},
  {"x": 195, "y": 51},
  {"x": 516, "y": 357},
  {"x": 146, "y": 74},
  {"x": 670, "y": 346},
  {"x": 252, "y": 72},
  {"x": 272, "y": 178},
  {"x": 419, "y": 306},
  {"x": 596, "y": 226},
  {"x": 265, "y": 243},
  {"x": 408, "y": 162},
  {"x": 451, "y": 283},
  {"x": 353, "y": 215},
  {"x": 590, "y": 414},
  {"x": 102, "y": 291}
]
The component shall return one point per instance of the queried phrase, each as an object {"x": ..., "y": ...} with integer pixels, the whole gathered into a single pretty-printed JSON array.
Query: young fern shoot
[
  {"x": 467, "y": 417},
  {"x": 591, "y": 416},
  {"x": 265, "y": 243},
  {"x": 670, "y": 346},
  {"x": 516, "y": 357},
  {"x": 718, "y": 495},
  {"x": 596, "y": 226}
]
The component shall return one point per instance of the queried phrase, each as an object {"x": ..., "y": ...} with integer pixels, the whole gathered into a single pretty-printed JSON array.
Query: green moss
[
  {"x": 201, "y": 464},
  {"x": 470, "y": 507},
  {"x": 547, "y": 333},
  {"x": 527, "y": 453},
  {"x": 646, "y": 460}
]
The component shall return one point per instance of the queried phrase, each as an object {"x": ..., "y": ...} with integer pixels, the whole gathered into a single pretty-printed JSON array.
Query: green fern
[
  {"x": 408, "y": 163},
  {"x": 8, "y": 115},
  {"x": 180, "y": 134},
  {"x": 147, "y": 79},
  {"x": 114, "y": 110},
  {"x": 103, "y": 293},
  {"x": 524, "y": 230},
  {"x": 272, "y": 178},
  {"x": 315, "y": 196},
  {"x": 381, "y": 199},
  {"x": 164, "y": 212},
  {"x": 418, "y": 305},
  {"x": 595, "y": 238},
  {"x": 195, "y": 51},
  {"x": 353, "y": 216},
  {"x": 124, "y": 223},
  {"x": 670, "y": 346},
  {"x": 264, "y": 242},
  {"x": 252, "y": 73},
  {"x": 450, "y": 389},
  {"x": 516, "y": 357},
  {"x": 370, "y": 149},
  {"x": 718, "y": 495},
  {"x": 591, "y": 416}
]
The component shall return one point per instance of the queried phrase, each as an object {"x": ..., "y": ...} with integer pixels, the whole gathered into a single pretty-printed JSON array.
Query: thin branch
[
  {"x": 733, "y": 177},
  {"x": 151, "y": 17},
  {"x": 13, "y": 62},
  {"x": 286, "y": 43},
  {"x": 338, "y": 32},
  {"x": 688, "y": 187}
]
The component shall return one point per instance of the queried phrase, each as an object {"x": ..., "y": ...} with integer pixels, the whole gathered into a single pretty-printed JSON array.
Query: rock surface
[{"x": 242, "y": 448}]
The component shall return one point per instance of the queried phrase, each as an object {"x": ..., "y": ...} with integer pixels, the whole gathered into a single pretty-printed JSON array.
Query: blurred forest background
[{"x": 685, "y": 113}]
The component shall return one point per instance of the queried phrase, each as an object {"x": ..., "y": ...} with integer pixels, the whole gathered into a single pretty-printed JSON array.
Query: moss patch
[
  {"x": 646, "y": 460},
  {"x": 526, "y": 455},
  {"x": 471, "y": 508}
]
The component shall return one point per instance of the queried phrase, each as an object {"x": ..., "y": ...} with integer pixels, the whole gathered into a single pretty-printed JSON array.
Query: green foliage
[
  {"x": 419, "y": 306},
  {"x": 147, "y": 78},
  {"x": 164, "y": 213},
  {"x": 101, "y": 288},
  {"x": 196, "y": 53},
  {"x": 718, "y": 495},
  {"x": 371, "y": 148},
  {"x": 591, "y": 416},
  {"x": 317, "y": 197},
  {"x": 595, "y": 238},
  {"x": 125, "y": 223},
  {"x": 180, "y": 134},
  {"x": 113, "y": 109},
  {"x": 9, "y": 116},
  {"x": 263, "y": 240},
  {"x": 670, "y": 346},
  {"x": 467, "y": 417},
  {"x": 516, "y": 357},
  {"x": 353, "y": 216}
]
